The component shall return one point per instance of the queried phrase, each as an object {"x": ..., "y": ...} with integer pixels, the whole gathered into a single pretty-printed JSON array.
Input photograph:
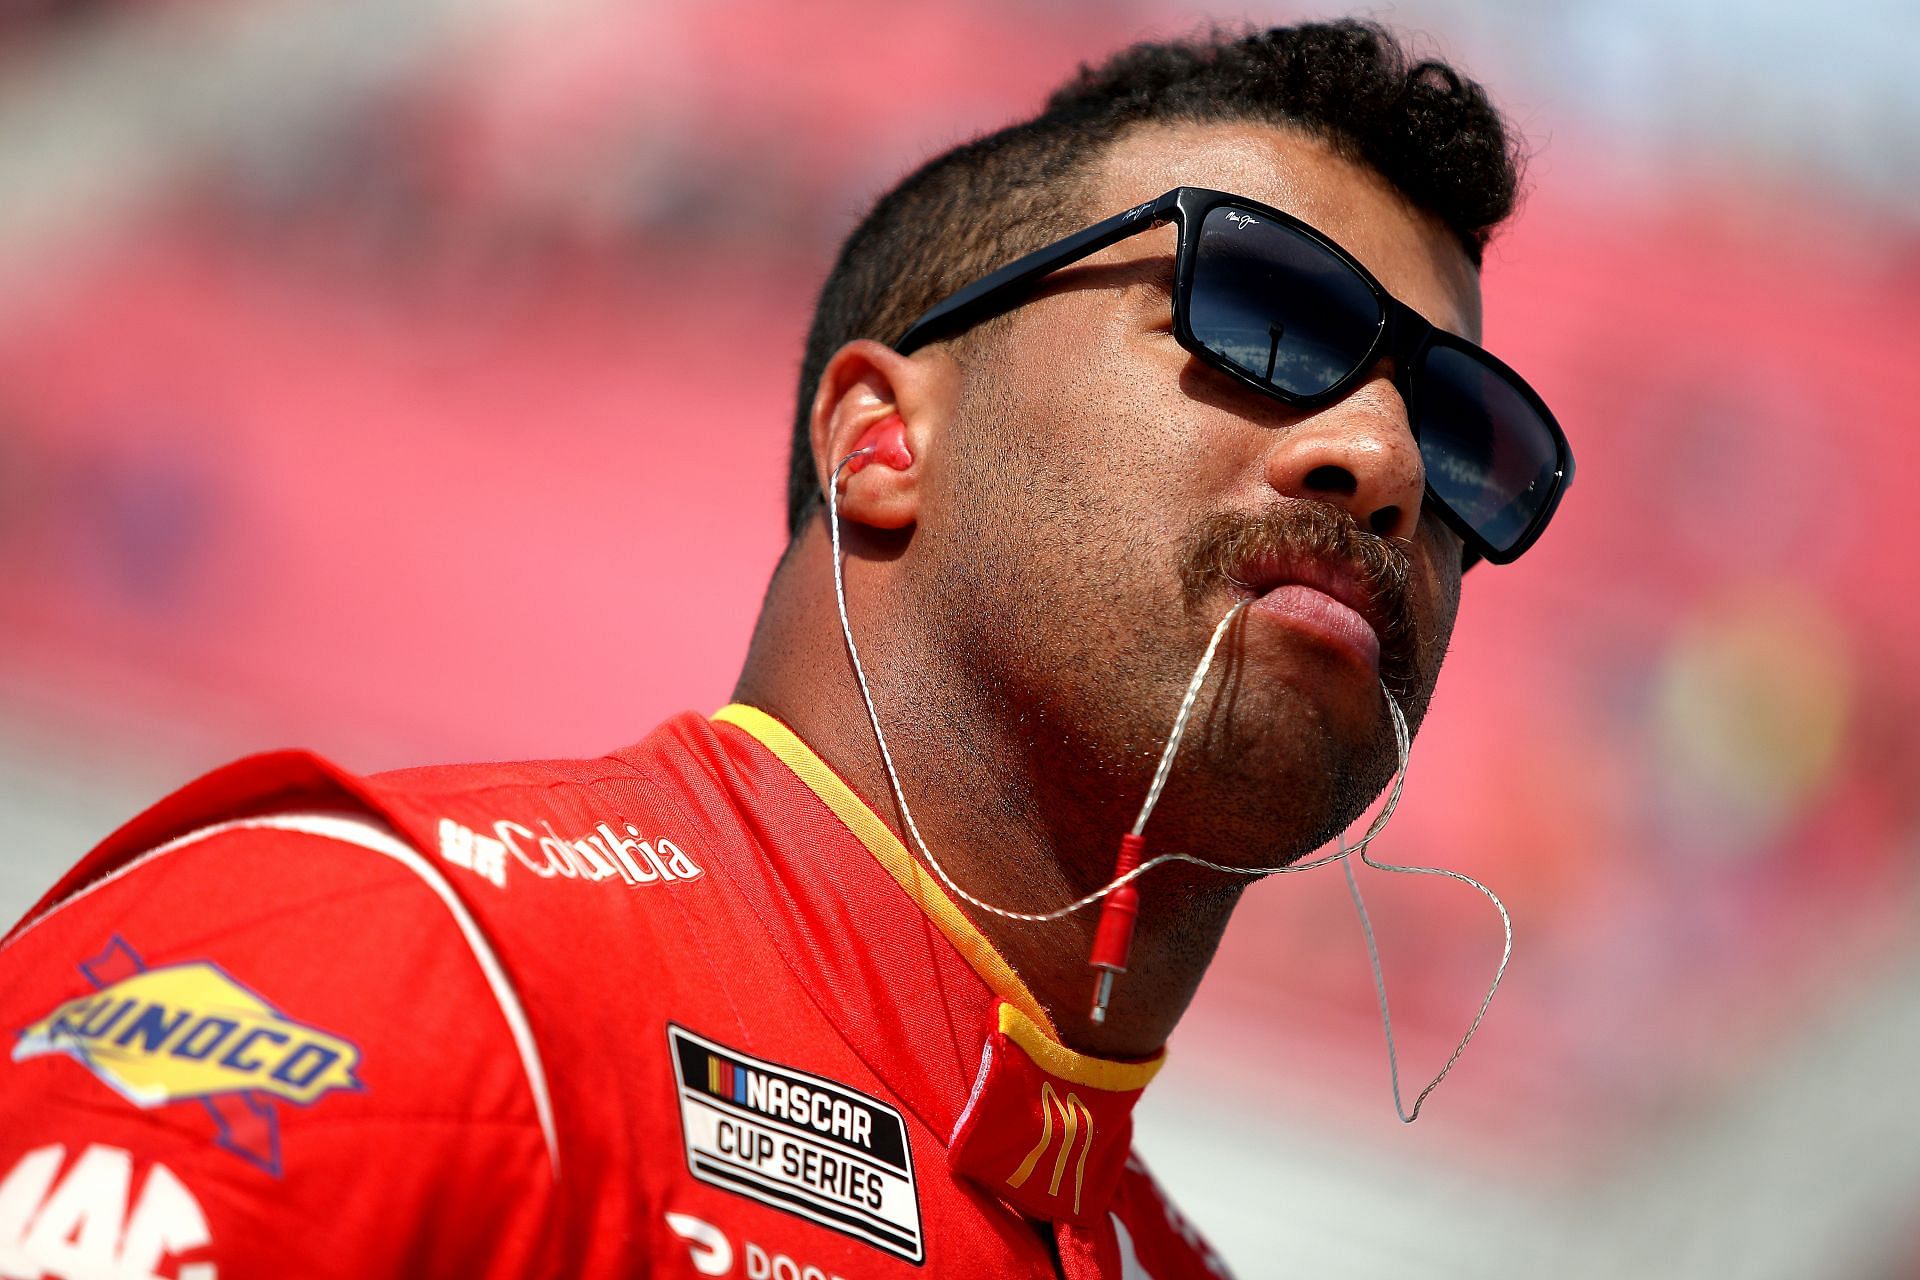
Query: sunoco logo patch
[
  {"x": 190, "y": 1033},
  {"x": 797, "y": 1142}
]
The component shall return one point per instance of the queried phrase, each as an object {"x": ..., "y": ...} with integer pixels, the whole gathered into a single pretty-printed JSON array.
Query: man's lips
[
  {"x": 1311, "y": 568},
  {"x": 1318, "y": 597}
]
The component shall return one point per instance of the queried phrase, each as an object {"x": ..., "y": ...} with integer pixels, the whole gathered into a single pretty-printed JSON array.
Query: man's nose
[{"x": 1359, "y": 454}]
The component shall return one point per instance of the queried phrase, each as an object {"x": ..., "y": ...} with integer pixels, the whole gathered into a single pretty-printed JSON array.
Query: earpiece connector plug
[
  {"x": 1102, "y": 996},
  {"x": 1113, "y": 940}
]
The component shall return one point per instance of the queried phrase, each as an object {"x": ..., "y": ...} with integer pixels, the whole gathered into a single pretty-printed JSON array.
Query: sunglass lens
[
  {"x": 1277, "y": 305},
  {"x": 1489, "y": 454}
]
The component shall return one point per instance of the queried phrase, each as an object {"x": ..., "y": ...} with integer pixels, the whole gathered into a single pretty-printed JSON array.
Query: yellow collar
[{"x": 887, "y": 850}]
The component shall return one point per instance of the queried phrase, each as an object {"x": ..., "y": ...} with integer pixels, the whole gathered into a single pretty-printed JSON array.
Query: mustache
[{"x": 1227, "y": 543}]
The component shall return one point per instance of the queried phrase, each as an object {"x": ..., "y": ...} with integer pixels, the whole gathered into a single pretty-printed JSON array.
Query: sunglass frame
[{"x": 1402, "y": 332}]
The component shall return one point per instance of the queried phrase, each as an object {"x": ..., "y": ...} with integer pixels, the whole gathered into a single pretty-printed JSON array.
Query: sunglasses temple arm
[{"x": 1009, "y": 285}]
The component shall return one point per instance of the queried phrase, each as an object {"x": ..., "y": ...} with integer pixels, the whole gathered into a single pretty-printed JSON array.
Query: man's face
[{"x": 1103, "y": 490}]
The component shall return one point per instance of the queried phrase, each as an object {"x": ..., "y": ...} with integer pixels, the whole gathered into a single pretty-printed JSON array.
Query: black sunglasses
[{"x": 1272, "y": 303}]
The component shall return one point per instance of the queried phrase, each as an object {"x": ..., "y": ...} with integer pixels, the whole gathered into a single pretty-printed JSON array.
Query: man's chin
[
  {"x": 1300, "y": 700},
  {"x": 1271, "y": 792}
]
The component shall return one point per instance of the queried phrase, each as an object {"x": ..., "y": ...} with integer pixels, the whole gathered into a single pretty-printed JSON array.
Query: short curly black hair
[{"x": 1351, "y": 84}]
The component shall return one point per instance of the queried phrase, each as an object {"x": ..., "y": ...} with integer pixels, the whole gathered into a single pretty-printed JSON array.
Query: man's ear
[{"x": 872, "y": 397}]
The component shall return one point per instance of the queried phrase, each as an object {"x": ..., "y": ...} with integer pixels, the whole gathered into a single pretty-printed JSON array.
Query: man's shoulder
[
  {"x": 643, "y": 817},
  {"x": 251, "y": 1007},
  {"x": 580, "y": 884},
  {"x": 400, "y": 911},
  {"x": 668, "y": 759},
  {"x": 486, "y": 818}
]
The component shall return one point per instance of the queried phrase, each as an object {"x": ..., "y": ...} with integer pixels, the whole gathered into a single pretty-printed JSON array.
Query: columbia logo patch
[{"x": 797, "y": 1142}]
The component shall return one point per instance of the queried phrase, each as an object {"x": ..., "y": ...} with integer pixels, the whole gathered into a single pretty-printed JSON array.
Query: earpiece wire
[
  {"x": 1402, "y": 742},
  {"x": 1164, "y": 768}
]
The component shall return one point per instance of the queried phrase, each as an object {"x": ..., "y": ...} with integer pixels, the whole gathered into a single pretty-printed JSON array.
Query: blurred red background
[{"x": 441, "y": 413}]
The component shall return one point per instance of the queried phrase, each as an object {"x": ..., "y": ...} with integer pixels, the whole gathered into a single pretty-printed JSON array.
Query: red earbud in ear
[{"x": 888, "y": 440}]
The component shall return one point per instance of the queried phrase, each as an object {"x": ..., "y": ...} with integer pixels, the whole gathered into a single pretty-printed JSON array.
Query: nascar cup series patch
[
  {"x": 189, "y": 1032},
  {"x": 794, "y": 1141}
]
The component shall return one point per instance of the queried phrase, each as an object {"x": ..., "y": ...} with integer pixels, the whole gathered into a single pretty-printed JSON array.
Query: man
[{"x": 694, "y": 1008}]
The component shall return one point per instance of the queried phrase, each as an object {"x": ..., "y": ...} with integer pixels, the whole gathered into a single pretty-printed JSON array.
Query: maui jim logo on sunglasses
[{"x": 1239, "y": 219}]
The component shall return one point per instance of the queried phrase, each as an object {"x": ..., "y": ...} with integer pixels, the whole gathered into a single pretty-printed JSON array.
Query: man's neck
[{"x": 978, "y": 804}]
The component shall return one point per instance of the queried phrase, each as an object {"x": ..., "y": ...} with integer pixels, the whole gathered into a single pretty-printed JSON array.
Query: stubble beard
[
  {"x": 1076, "y": 640},
  {"x": 1302, "y": 779},
  {"x": 1263, "y": 776}
]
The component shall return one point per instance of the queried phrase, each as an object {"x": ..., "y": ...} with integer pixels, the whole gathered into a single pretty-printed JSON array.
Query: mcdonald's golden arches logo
[
  {"x": 1064, "y": 1164},
  {"x": 1076, "y": 1125}
]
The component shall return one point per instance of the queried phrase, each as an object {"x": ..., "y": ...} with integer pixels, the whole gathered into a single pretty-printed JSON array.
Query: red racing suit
[{"x": 688, "y": 1009}]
